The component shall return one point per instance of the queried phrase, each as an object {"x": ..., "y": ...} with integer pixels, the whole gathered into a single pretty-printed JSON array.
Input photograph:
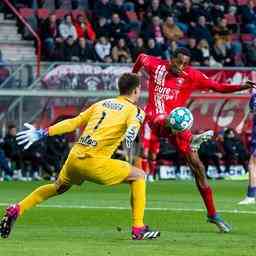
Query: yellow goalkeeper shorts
[{"x": 80, "y": 167}]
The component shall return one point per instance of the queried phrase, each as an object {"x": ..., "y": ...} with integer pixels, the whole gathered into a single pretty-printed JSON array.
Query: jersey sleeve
[
  {"x": 202, "y": 82},
  {"x": 143, "y": 60},
  {"x": 134, "y": 123},
  {"x": 69, "y": 125}
]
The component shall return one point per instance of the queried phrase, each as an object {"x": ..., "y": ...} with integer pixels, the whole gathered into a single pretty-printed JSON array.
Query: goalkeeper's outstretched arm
[{"x": 31, "y": 135}]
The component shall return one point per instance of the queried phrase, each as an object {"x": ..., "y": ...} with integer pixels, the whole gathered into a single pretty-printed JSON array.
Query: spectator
[
  {"x": 201, "y": 31},
  {"x": 209, "y": 154},
  {"x": 217, "y": 12},
  {"x": 102, "y": 28},
  {"x": 118, "y": 7},
  {"x": 84, "y": 28},
  {"x": 50, "y": 36},
  {"x": 120, "y": 52},
  {"x": 11, "y": 148},
  {"x": 248, "y": 15},
  {"x": 250, "y": 53},
  {"x": 103, "y": 48},
  {"x": 138, "y": 47},
  {"x": 167, "y": 9},
  {"x": 187, "y": 15},
  {"x": 222, "y": 54},
  {"x": 67, "y": 29},
  {"x": 154, "y": 30},
  {"x": 102, "y": 8},
  {"x": 221, "y": 31},
  {"x": 117, "y": 28},
  {"x": 140, "y": 7},
  {"x": 234, "y": 150},
  {"x": 204, "y": 49},
  {"x": 84, "y": 51},
  {"x": 154, "y": 9},
  {"x": 171, "y": 31},
  {"x": 153, "y": 48},
  {"x": 70, "y": 50},
  {"x": 196, "y": 54}
]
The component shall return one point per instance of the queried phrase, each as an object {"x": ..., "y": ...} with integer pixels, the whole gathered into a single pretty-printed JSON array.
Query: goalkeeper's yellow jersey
[{"x": 107, "y": 123}]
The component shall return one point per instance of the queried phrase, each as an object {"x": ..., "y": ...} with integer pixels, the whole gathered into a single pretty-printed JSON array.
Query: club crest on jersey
[{"x": 180, "y": 81}]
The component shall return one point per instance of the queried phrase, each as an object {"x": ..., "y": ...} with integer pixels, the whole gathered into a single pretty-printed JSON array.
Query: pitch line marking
[{"x": 128, "y": 208}]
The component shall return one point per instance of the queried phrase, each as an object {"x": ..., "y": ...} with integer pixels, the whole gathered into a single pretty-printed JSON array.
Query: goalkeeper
[{"x": 107, "y": 123}]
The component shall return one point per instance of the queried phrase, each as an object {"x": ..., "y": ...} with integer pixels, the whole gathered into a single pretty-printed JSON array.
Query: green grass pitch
[{"x": 85, "y": 221}]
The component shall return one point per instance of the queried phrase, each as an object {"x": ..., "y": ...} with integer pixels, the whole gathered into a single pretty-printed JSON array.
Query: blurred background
[{"x": 59, "y": 57}]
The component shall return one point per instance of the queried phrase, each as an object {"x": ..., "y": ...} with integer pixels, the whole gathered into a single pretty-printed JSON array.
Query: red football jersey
[{"x": 167, "y": 90}]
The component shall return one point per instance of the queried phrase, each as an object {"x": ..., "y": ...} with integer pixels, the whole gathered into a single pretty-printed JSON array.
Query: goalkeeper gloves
[{"x": 28, "y": 137}]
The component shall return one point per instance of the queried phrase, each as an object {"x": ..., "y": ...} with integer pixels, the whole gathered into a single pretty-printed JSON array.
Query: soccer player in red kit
[{"x": 170, "y": 85}]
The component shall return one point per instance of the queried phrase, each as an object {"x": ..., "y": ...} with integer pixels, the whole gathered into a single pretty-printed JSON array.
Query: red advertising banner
[{"x": 211, "y": 110}]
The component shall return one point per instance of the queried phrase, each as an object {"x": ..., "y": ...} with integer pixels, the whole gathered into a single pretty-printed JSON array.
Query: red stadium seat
[
  {"x": 42, "y": 13},
  {"x": 60, "y": 13},
  {"x": 242, "y": 2},
  {"x": 247, "y": 37},
  {"x": 132, "y": 16},
  {"x": 26, "y": 12},
  {"x": 231, "y": 19}
]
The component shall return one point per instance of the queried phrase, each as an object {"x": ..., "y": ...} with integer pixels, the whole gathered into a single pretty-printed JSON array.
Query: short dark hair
[
  {"x": 127, "y": 83},
  {"x": 11, "y": 126},
  {"x": 183, "y": 51}
]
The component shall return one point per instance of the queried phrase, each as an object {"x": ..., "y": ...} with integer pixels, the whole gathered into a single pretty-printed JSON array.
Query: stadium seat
[
  {"x": 242, "y": 2},
  {"x": 4, "y": 73},
  {"x": 60, "y": 13},
  {"x": 247, "y": 37},
  {"x": 42, "y": 13},
  {"x": 26, "y": 12},
  {"x": 231, "y": 19}
]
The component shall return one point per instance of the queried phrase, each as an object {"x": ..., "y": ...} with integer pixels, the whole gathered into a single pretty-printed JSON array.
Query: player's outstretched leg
[
  {"x": 206, "y": 192},
  {"x": 36, "y": 197},
  {"x": 251, "y": 191},
  {"x": 138, "y": 202}
]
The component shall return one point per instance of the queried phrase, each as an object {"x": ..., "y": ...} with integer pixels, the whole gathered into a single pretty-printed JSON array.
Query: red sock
[
  {"x": 207, "y": 196},
  {"x": 145, "y": 165},
  {"x": 152, "y": 167}
]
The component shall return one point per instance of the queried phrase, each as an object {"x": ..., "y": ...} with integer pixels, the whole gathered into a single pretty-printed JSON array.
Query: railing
[{"x": 39, "y": 43}]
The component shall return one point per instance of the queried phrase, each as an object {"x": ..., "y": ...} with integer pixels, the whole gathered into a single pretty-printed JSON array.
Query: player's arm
[
  {"x": 134, "y": 123},
  {"x": 143, "y": 60},
  {"x": 32, "y": 134},
  {"x": 70, "y": 125},
  {"x": 204, "y": 83}
]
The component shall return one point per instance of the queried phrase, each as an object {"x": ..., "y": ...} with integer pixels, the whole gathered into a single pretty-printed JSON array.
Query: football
[{"x": 180, "y": 119}]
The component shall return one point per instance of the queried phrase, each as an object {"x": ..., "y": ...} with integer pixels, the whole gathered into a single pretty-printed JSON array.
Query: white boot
[{"x": 247, "y": 200}]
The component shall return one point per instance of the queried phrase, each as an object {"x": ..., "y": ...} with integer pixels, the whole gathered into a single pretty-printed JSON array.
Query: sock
[
  {"x": 138, "y": 202},
  {"x": 251, "y": 192},
  {"x": 207, "y": 196},
  {"x": 144, "y": 165},
  {"x": 37, "y": 196},
  {"x": 152, "y": 167}
]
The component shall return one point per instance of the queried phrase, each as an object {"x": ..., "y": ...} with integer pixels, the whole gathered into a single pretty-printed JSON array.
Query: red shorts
[
  {"x": 149, "y": 139},
  {"x": 181, "y": 140}
]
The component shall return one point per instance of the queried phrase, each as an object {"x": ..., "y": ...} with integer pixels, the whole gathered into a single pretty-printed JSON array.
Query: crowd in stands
[{"x": 217, "y": 32}]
